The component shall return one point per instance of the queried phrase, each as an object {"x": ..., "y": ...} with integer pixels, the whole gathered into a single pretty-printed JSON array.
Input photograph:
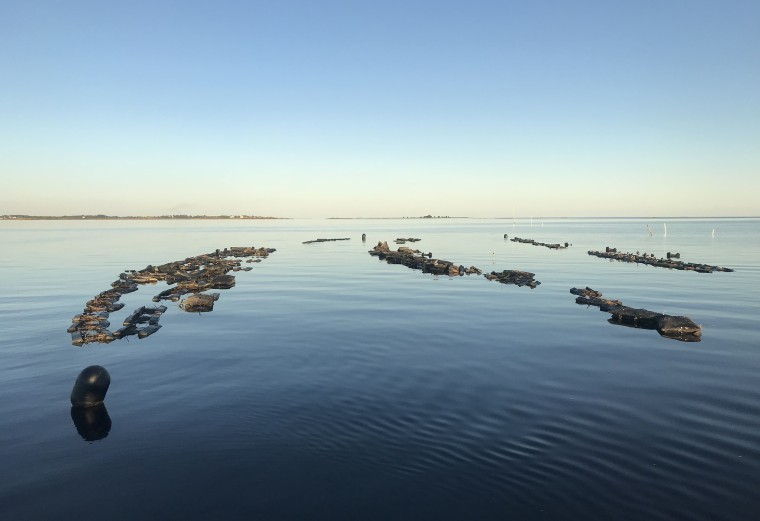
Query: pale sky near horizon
[{"x": 393, "y": 108}]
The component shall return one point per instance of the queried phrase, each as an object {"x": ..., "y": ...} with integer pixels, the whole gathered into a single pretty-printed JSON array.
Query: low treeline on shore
[{"x": 101, "y": 217}]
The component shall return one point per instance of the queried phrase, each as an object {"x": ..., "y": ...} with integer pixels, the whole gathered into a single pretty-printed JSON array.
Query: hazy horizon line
[{"x": 185, "y": 217}]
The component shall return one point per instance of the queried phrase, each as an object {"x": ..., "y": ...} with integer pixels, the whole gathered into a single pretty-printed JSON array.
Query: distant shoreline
[
  {"x": 18, "y": 217},
  {"x": 521, "y": 220}
]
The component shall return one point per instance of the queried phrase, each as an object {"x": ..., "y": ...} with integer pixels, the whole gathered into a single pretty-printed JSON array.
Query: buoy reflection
[{"x": 92, "y": 423}]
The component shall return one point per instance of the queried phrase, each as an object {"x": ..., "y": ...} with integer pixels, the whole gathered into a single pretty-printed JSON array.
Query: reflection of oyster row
[{"x": 192, "y": 275}]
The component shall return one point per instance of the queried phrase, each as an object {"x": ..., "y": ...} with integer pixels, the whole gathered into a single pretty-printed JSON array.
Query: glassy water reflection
[
  {"x": 328, "y": 384},
  {"x": 92, "y": 423}
]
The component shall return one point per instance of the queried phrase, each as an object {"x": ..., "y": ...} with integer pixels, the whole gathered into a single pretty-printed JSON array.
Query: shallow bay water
[{"x": 328, "y": 384}]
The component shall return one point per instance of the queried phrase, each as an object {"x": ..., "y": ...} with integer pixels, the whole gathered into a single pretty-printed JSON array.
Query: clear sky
[{"x": 380, "y": 108}]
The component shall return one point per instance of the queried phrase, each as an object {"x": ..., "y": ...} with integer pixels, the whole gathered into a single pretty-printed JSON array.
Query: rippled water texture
[{"x": 328, "y": 384}]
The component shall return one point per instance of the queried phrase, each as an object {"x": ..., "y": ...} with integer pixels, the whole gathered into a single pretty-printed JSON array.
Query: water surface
[{"x": 330, "y": 385}]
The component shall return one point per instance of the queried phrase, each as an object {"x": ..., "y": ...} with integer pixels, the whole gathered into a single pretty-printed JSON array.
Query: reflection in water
[
  {"x": 682, "y": 338},
  {"x": 92, "y": 423}
]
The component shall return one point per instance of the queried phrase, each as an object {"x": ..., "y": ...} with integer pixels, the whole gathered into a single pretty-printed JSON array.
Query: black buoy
[
  {"x": 364, "y": 237},
  {"x": 90, "y": 387},
  {"x": 505, "y": 236}
]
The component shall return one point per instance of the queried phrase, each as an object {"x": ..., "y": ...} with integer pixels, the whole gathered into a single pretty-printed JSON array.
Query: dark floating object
[
  {"x": 126, "y": 331},
  {"x": 364, "y": 237},
  {"x": 190, "y": 276},
  {"x": 86, "y": 336},
  {"x": 148, "y": 330},
  {"x": 327, "y": 240},
  {"x": 145, "y": 314},
  {"x": 556, "y": 246},
  {"x": 142, "y": 315},
  {"x": 506, "y": 236},
  {"x": 92, "y": 423},
  {"x": 675, "y": 327},
  {"x": 416, "y": 260},
  {"x": 518, "y": 278},
  {"x": 651, "y": 260},
  {"x": 84, "y": 324},
  {"x": 200, "y": 302},
  {"x": 90, "y": 387},
  {"x": 401, "y": 240}
]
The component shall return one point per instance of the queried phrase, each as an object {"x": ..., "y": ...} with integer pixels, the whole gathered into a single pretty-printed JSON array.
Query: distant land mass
[{"x": 102, "y": 217}]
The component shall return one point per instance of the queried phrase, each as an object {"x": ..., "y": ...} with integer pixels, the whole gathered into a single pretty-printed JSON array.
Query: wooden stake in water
[{"x": 650, "y": 230}]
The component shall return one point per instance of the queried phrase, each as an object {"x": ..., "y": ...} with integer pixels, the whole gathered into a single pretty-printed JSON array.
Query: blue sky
[{"x": 314, "y": 109}]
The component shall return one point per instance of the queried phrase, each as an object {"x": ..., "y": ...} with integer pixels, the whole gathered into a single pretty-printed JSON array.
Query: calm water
[{"x": 330, "y": 385}]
